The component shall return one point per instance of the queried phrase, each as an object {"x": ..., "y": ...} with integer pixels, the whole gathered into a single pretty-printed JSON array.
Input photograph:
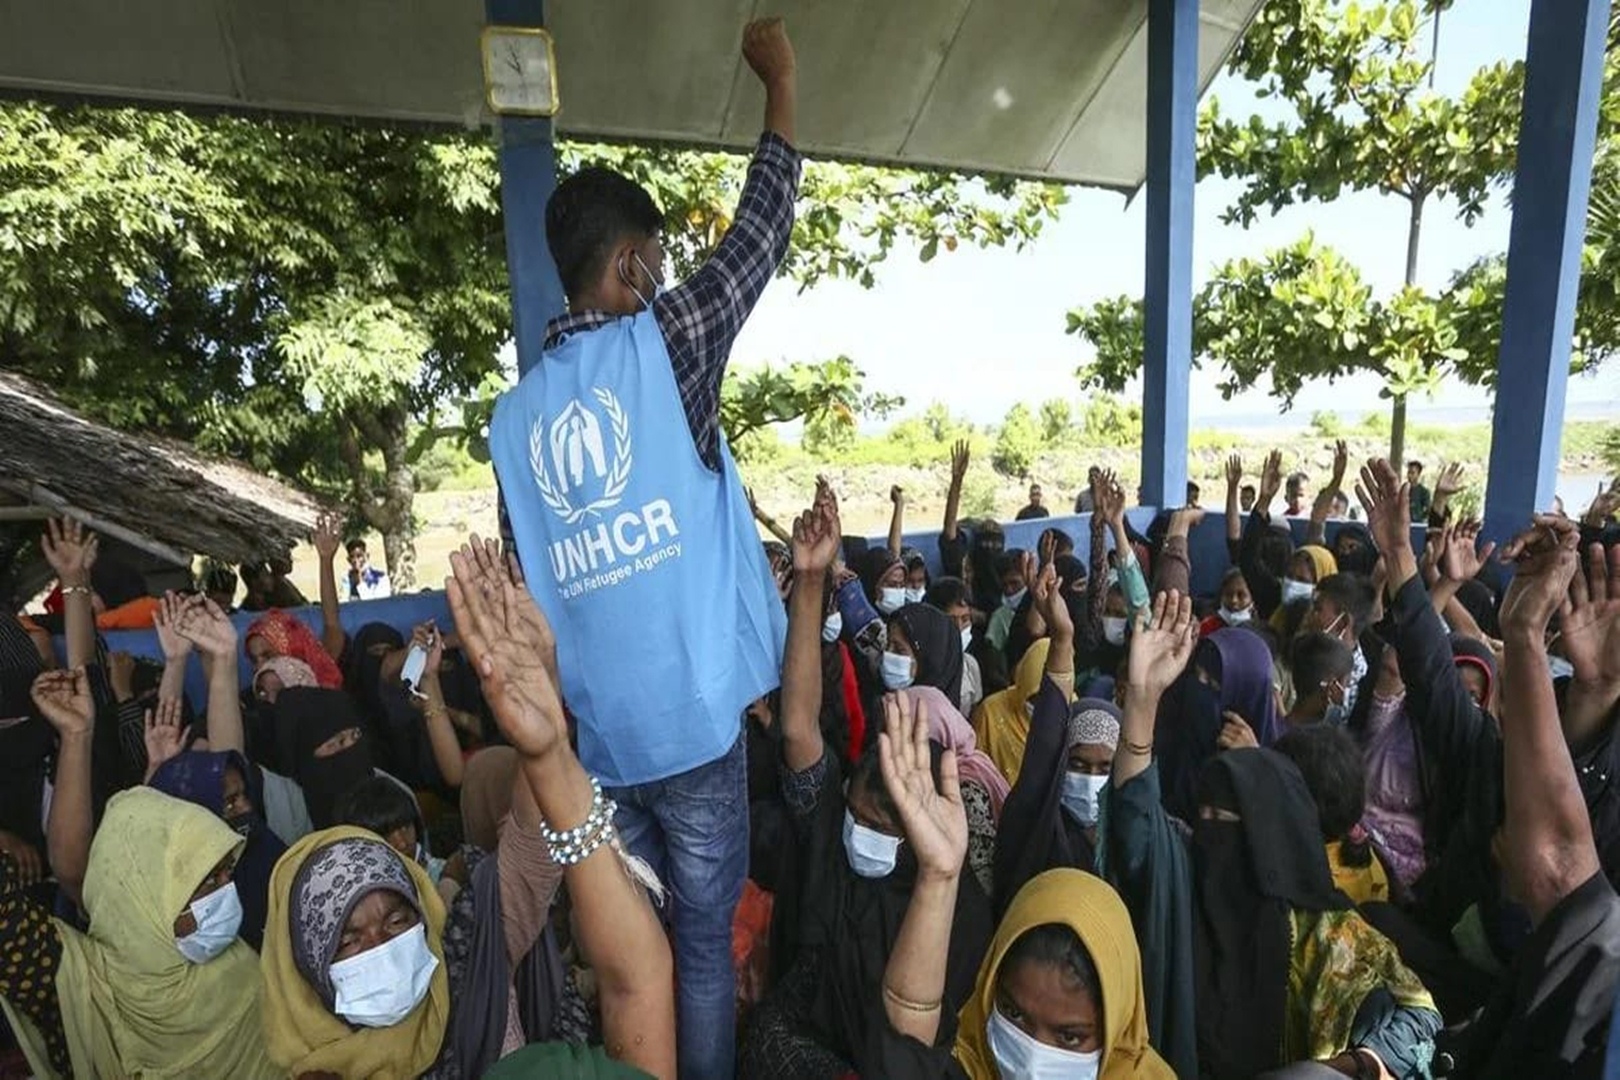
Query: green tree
[
  {"x": 1017, "y": 443},
  {"x": 829, "y": 398},
  {"x": 324, "y": 301},
  {"x": 1361, "y": 114},
  {"x": 1057, "y": 417}
]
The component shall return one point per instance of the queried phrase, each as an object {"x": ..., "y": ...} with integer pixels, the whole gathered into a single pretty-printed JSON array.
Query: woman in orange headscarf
[{"x": 279, "y": 633}]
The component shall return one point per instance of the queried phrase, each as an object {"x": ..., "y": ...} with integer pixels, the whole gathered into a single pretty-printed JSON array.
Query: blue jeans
[{"x": 693, "y": 830}]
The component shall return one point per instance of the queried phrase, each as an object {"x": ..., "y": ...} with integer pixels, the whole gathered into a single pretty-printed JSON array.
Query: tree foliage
[
  {"x": 324, "y": 301},
  {"x": 1017, "y": 443}
]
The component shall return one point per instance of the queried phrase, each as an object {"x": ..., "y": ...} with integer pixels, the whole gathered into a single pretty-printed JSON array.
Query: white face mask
[
  {"x": 1560, "y": 668},
  {"x": 915, "y": 596},
  {"x": 658, "y": 286},
  {"x": 1114, "y": 630},
  {"x": 871, "y": 854},
  {"x": 967, "y": 638},
  {"x": 1082, "y": 796},
  {"x": 1020, "y": 1056},
  {"x": 1294, "y": 590},
  {"x": 1015, "y": 599},
  {"x": 1236, "y": 618},
  {"x": 896, "y": 671},
  {"x": 382, "y": 986},
  {"x": 219, "y": 917},
  {"x": 833, "y": 627},
  {"x": 891, "y": 600}
]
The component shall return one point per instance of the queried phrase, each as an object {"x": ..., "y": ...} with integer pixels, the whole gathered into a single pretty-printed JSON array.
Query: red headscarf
[{"x": 288, "y": 636}]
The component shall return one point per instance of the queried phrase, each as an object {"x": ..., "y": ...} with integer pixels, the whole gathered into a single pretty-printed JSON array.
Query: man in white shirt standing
[{"x": 366, "y": 582}]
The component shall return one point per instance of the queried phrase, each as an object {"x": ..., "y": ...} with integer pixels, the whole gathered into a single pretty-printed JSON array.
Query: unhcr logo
[{"x": 570, "y": 461}]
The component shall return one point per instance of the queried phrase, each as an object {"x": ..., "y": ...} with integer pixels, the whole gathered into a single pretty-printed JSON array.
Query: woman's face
[
  {"x": 1301, "y": 568},
  {"x": 259, "y": 649},
  {"x": 893, "y": 578},
  {"x": 219, "y": 877},
  {"x": 403, "y": 840},
  {"x": 1235, "y": 595},
  {"x": 380, "y": 917},
  {"x": 238, "y": 803},
  {"x": 1050, "y": 1005},
  {"x": 269, "y": 686},
  {"x": 1091, "y": 759},
  {"x": 901, "y": 645},
  {"x": 917, "y": 577},
  {"x": 338, "y": 743},
  {"x": 865, "y": 809},
  {"x": 1114, "y": 606}
]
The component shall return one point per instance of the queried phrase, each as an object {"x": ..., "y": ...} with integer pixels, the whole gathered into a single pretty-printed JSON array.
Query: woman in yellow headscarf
[
  {"x": 1059, "y": 992},
  {"x": 1309, "y": 564},
  {"x": 160, "y": 986}
]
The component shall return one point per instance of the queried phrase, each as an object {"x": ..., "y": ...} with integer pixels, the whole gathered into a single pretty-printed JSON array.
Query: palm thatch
[{"x": 155, "y": 493}]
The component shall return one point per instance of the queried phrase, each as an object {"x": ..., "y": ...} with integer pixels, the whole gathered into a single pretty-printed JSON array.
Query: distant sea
[{"x": 1300, "y": 419}]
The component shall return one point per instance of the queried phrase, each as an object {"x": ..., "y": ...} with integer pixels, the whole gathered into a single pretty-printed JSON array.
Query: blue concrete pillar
[
  {"x": 1563, "y": 84},
  {"x": 528, "y": 177},
  {"x": 1172, "y": 106}
]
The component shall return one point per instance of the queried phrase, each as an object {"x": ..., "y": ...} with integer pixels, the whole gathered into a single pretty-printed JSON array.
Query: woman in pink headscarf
[{"x": 984, "y": 789}]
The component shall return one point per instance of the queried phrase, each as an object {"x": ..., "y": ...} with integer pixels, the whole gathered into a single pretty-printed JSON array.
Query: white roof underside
[{"x": 1054, "y": 89}]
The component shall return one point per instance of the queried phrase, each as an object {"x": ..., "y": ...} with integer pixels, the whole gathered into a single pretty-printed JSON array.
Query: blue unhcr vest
[{"x": 645, "y": 560}]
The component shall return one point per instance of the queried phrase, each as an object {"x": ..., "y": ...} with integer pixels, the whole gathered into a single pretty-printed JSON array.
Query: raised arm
[
  {"x": 508, "y": 641},
  {"x": 1234, "y": 505},
  {"x": 435, "y": 713},
  {"x": 815, "y": 548},
  {"x": 936, "y": 830},
  {"x": 71, "y": 550},
  {"x": 1548, "y": 834},
  {"x": 1270, "y": 484},
  {"x": 1161, "y": 648},
  {"x": 202, "y": 623},
  {"x": 1450, "y": 482},
  {"x": 769, "y": 523},
  {"x": 64, "y": 699},
  {"x": 953, "y": 498},
  {"x": 1172, "y": 570},
  {"x": 176, "y": 647},
  {"x": 1316, "y": 531},
  {"x": 328, "y": 542},
  {"x": 897, "y": 522},
  {"x": 1590, "y": 625}
]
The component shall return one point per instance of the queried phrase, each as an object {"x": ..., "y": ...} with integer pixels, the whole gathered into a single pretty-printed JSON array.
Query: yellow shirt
[{"x": 1362, "y": 884}]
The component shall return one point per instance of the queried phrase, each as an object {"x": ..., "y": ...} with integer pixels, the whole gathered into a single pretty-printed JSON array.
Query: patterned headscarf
[
  {"x": 287, "y": 635},
  {"x": 328, "y": 886},
  {"x": 1094, "y": 722},
  {"x": 291, "y": 672}
]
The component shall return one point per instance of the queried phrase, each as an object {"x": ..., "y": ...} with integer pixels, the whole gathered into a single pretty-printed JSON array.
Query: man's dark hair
[
  {"x": 1192, "y": 492},
  {"x": 1316, "y": 660},
  {"x": 947, "y": 592},
  {"x": 377, "y": 804},
  {"x": 1330, "y": 761},
  {"x": 588, "y": 215},
  {"x": 1247, "y": 489},
  {"x": 1351, "y": 594},
  {"x": 1418, "y": 465},
  {"x": 1297, "y": 482},
  {"x": 1009, "y": 562},
  {"x": 355, "y": 545}
]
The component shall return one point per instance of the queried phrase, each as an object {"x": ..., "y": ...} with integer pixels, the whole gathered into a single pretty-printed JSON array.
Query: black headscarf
[
  {"x": 1248, "y": 876},
  {"x": 1362, "y": 560},
  {"x": 363, "y": 670},
  {"x": 304, "y": 717},
  {"x": 1479, "y": 601},
  {"x": 938, "y": 645},
  {"x": 872, "y": 565},
  {"x": 1071, "y": 574},
  {"x": 25, "y": 737},
  {"x": 988, "y": 544}
]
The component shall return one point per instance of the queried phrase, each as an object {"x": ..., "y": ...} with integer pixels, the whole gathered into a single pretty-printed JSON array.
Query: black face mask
[{"x": 242, "y": 824}]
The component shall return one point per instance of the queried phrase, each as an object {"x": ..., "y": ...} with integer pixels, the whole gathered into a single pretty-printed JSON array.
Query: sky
[{"x": 982, "y": 330}]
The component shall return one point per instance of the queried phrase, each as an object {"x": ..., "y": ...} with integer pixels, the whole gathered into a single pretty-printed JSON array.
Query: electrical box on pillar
[{"x": 520, "y": 71}]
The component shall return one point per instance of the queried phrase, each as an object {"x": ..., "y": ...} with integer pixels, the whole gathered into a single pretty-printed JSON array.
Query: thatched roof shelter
[{"x": 155, "y": 494}]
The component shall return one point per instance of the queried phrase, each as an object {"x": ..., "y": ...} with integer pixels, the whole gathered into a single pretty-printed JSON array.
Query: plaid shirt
[{"x": 702, "y": 316}]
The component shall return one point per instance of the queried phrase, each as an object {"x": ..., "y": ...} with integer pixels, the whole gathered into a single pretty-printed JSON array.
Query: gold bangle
[
  {"x": 1139, "y": 749},
  {"x": 912, "y": 1006}
]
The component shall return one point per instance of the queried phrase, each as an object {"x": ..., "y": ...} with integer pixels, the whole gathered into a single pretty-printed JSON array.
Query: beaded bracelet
[
  {"x": 77, "y": 590},
  {"x": 570, "y": 847}
]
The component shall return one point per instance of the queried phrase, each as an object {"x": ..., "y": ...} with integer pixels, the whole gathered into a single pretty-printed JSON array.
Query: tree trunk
[
  {"x": 1397, "y": 413},
  {"x": 391, "y": 509}
]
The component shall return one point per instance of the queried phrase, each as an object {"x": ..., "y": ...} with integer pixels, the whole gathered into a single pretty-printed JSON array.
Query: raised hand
[
  {"x": 201, "y": 622},
  {"x": 1341, "y": 464},
  {"x": 1235, "y": 733},
  {"x": 1590, "y": 621},
  {"x": 817, "y": 533},
  {"x": 1604, "y": 505},
  {"x": 71, "y": 549},
  {"x": 935, "y": 820},
  {"x": 897, "y": 495},
  {"x": 1450, "y": 481},
  {"x": 1109, "y": 497},
  {"x": 507, "y": 639},
  {"x": 768, "y": 51},
  {"x": 427, "y": 637},
  {"x": 63, "y": 697},
  {"x": 328, "y": 536},
  {"x": 176, "y": 646},
  {"x": 1234, "y": 471},
  {"x": 1047, "y": 547},
  {"x": 1270, "y": 481},
  {"x": 1384, "y": 496},
  {"x": 960, "y": 456},
  {"x": 1545, "y": 560},
  {"x": 1049, "y": 601},
  {"x": 1463, "y": 558},
  {"x": 165, "y": 734},
  {"x": 1162, "y": 645}
]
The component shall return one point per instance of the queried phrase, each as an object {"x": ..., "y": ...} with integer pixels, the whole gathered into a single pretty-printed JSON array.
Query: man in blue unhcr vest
[{"x": 637, "y": 540}]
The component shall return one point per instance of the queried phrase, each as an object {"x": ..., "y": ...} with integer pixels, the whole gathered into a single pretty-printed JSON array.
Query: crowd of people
[{"x": 665, "y": 801}]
